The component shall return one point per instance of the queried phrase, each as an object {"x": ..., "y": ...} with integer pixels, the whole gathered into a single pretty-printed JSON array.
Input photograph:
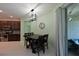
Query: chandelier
[{"x": 33, "y": 15}]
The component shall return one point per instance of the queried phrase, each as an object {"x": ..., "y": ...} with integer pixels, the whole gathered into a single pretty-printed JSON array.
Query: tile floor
[{"x": 17, "y": 49}]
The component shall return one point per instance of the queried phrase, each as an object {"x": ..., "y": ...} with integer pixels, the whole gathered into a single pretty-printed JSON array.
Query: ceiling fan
[{"x": 33, "y": 9}]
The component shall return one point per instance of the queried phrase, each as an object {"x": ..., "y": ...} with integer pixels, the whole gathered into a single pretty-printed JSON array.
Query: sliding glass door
[{"x": 73, "y": 29}]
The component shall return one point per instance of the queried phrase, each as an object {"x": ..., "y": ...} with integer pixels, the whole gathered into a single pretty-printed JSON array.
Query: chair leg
[
  {"x": 43, "y": 49},
  {"x": 38, "y": 53},
  {"x": 24, "y": 43},
  {"x": 47, "y": 45}
]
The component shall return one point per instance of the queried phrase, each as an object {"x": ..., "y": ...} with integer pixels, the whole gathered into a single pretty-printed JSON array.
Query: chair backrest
[
  {"x": 29, "y": 34},
  {"x": 25, "y": 34},
  {"x": 40, "y": 39},
  {"x": 45, "y": 37}
]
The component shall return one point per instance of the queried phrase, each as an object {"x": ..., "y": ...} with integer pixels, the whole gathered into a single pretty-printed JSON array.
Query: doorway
[{"x": 27, "y": 26}]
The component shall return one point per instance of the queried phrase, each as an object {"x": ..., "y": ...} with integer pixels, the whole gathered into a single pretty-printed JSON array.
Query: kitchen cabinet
[{"x": 11, "y": 28}]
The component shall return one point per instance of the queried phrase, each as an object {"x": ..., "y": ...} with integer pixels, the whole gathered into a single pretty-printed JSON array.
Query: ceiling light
[
  {"x": 1, "y": 11},
  {"x": 70, "y": 19},
  {"x": 33, "y": 15},
  {"x": 11, "y": 16}
]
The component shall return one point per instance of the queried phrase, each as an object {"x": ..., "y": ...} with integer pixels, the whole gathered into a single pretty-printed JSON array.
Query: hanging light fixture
[
  {"x": 69, "y": 19},
  {"x": 33, "y": 15}
]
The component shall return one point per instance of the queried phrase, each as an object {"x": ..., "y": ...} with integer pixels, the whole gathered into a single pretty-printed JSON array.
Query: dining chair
[
  {"x": 45, "y": 38},
  {"x": 26, "y": 41},
  {"x": 38, "y": 45}
]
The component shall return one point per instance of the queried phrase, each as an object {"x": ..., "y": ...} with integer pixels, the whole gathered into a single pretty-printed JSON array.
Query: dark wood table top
[{"x": 35, "y": 36}]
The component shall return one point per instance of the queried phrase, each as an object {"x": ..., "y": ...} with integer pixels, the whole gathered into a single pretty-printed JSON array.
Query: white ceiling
[
  {"x": 73, "y": 10},
  {"x": 18, "y": 10}
]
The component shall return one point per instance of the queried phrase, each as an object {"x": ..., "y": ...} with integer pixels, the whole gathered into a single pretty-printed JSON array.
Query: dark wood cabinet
[
  {"x": 12, "y": 28},
  {"x": 13, "y": 24},
  {"x": 14, "y": 37}
]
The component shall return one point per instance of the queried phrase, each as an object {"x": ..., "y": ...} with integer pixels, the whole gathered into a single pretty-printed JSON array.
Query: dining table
[
  {"x": 35, "y": 42},
  {"x": 35, "y": 36},
  {"x": 30, "y": 38}
]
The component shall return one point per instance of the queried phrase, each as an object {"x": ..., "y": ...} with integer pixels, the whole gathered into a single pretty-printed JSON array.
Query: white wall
[
  {"x": 25, "y": 27},
  {"x": 22, "y": 32}
]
